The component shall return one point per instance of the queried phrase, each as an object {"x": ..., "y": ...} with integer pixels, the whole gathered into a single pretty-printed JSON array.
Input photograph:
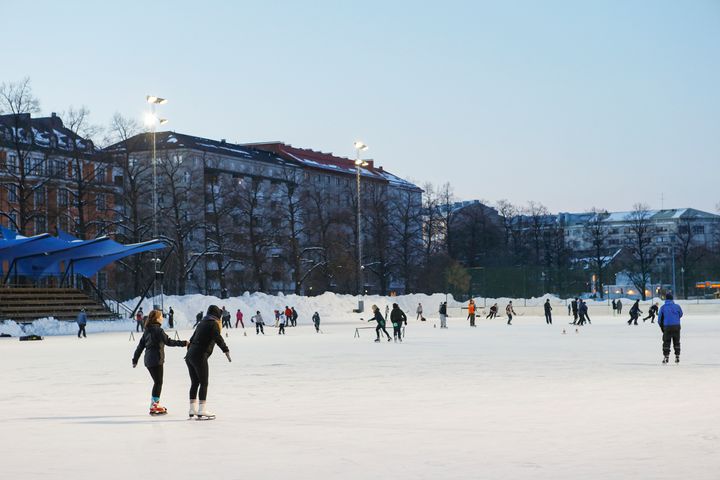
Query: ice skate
[
  {"x": 193, "y": 409},
  {"x": 666, "y": 358},
  {"x": 204, "y": 414},
  {"x": 377, "y": 340},
  {"x": 157, "y": 409},
  {"x": 677, "y": 358}
]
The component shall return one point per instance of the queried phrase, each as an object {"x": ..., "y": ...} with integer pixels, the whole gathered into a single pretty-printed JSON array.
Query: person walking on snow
[
  {"x": 669, "y": 322},
  {"x": 239, "y": 319},
  {"x": 418, "y": 310},
  {"x": 171, "y": 318},
  {"x": 569, "y": 309},
  {"x": 288, "y": 313},
  {"x": 614, "y": 307},
  {"x": 635, "y": 312},
  {"x": 509, "y": 312},
  {"x": 651, "y": 313},
  {"x": 294, "y": 317},
  {"x": 618, "y": 305},
  {"x": 471, "y": 312},
  {"x": 316, "y": 321},
  {"x": 574, "y": 307},
  {"x": 548, "y": 309},
  {"x": 380, "y": 323},
  {"x": 277, "y": 317},
  {"x": 203, "y": 341},
  {"x": 153, "y": 341},
  {"x": 583, "y": 312},
  {"x": 443, "y": 314},
  {"x": 81, "y": 321},
  {"x": 259, "y": 323},
  {"x": 397, "y": 318}
]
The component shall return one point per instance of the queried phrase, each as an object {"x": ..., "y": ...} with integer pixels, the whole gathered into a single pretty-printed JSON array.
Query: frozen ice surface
[{"x": 492, "y": 402}]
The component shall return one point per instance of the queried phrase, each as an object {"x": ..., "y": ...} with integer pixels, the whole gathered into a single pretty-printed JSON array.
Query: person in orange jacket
[{"x": 471, "y": 312}]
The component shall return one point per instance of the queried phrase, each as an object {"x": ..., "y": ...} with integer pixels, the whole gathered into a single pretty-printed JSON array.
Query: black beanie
[
  {"x": 214, "y": 311},
  {"x": 668, "y": 296}
]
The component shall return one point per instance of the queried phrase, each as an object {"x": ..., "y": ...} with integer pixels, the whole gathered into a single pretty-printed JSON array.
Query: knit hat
[
  {"x": 669, "y": 296},
  {"x": 214, "y": 311}
]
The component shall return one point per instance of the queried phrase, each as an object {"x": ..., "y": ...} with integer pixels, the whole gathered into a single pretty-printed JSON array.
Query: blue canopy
[{"x": 45, "y": 255}]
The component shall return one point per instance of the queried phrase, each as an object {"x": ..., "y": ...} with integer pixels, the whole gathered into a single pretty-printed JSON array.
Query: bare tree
[
  {"x": 26, "y": 165},
  {"x": 432, "y": 222},
  {"x": 597, "y": 235},
  {"x": 446, "y": 200},
  {"x": 407, "y": 226},
  {"x": 639, "y": 243},
  {"x": 378, "y": 234},
  {"x": 537, "y": 215},
  {"x": 507, "y": 212},
  {"x": 293, "y": 227}
]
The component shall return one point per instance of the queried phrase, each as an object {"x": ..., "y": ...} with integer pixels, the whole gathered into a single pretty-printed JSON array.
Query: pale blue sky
[{"x": 570, "y": 103}]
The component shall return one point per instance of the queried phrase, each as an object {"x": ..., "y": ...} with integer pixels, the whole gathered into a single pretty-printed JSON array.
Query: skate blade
[
  {"x": 157, "y": 414},
  {"x": 203, "y": 418}
]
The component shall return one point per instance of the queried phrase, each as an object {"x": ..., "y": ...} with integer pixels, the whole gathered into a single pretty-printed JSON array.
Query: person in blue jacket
[
  {"x": 81, "y": 321},
  {"x": 669, "y": 322}
]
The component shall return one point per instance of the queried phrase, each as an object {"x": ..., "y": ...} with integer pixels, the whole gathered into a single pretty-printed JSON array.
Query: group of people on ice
[{"x": 397, "y": 318}]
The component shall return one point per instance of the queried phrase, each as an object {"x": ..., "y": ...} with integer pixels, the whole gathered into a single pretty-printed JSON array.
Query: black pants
[
  {"x": 397, "y": 332},
  {"x": 81, "y": 331},
  {"x": 259, "y": 328},
  {"x": 171, "y": 322},
  {"x": 634, "y": 317},
  {"x": 509, "y": 319},
  {"x": 138, "y": 326},
  {"x": 317, "y": 327},
  {"x": 651, "y": 317},
  {"x": 282, "y": 329},
  {"x": 377, "y": 331},
  {"x": 548, "y": 318},
  {"x": 156, "y": 373},
  {"x": 472, "y": 319},
  {"x": 199, "y": 373},
  {"x": 491, "y": 315},
  {"x": 671, "y": 332},
  {"x": 575, "y": 316}
]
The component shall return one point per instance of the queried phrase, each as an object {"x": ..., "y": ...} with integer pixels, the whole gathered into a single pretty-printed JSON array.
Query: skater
[
  {"x": 635, "y": 312},
  {"x": 203, "y": 341},
  {"x": 288, "y": 314},
  {"x": 171, "y": 318},
  {"x": 651, "y": 313},
  {"x": 548, "y": 308},
  {"x": 198, "y": 319},
  {"x": 225, "y": 316},
  {"x": 294, "y": 317},
  {"x": 281, "y": 324},
  {"x": 583, "y": 311},
  {"x": 493, "y": 311},
  {"x": 380, "y": 323},
  {"x": 81, "y": 321},
  {"x": 239, "y": 319},
  {"x": 569, "y": 309},
  {"x": 669, "y": 322},
  {"x": 614, "y": 307},
  {"x": 153, "y": 341},
  {"x": 316, "y": 322},
  {"x": 139, "y": 320},
  {"x": 509, "y": 312},
  {"x": 574, "y": 307},
  {"x": 443, "y": 314},
  {"x": 397, "y": 318},
  {"x": 259, "y": 323},
  {"x": 618, "y": 305},
  {"x": 471, "y": 312},
  {"x": 418, "y": 310},
  {"x": 277, "y": 317}
]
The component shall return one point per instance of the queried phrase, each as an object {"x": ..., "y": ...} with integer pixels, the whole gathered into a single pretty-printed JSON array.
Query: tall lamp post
[
  {"x": 359, "y": 163},
  {"x": 152, "y": 121}
]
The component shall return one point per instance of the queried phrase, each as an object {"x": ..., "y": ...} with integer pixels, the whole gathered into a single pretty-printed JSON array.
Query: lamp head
[
  {"x": 155, "y": 100},
  {"x": 360, "y": 145}
]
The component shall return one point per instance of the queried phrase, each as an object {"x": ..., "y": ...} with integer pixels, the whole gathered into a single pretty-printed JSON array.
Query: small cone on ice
[
  {"x": 564, "y": 332},
  {"x": 244, "y": 334},
  {"x": 576, "y": 331}
]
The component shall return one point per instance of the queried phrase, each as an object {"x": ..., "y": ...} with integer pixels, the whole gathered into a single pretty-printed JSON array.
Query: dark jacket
[
  {"x": 653, "y": 310},
  {"x": 548, "y": 307},
  {"x": 397, "y": 317},
  {"x": 574, "y": 306},
  {"x": 207, "y": 334},
  {"x": 294, "y": 314},
  {"x": 153, "y": 342},
  {"x": 378, "y": 318},
  {"x": 635, "y": 309},
  {"x": 443, "y": 309},
  {"x": 316, "y": 319}
]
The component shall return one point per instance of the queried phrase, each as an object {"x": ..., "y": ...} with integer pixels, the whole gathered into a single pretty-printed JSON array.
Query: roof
[
  {"x": 173, "y": 140},
  {"x": 331, "y": 163},
  {"x": 44, "y": 133}
]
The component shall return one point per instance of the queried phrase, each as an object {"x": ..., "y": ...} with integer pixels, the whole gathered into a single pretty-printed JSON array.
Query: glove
[
  {"x": 227, "y": 354},
  {"x": 134, "y": 363}
]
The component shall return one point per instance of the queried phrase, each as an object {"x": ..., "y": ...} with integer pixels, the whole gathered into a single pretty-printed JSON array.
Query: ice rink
[{"x": 492, "y": 402}]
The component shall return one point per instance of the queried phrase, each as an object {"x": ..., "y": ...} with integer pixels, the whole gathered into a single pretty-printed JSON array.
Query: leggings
[
  {"x": 381, "y": 327},
  {"x": 199, "y": 373},
  {"x": 397, "y": 332},
  {"x": 156, "y": 373}
]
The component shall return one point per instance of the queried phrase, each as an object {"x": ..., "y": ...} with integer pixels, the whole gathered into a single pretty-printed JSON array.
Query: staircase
[{"x": 27, "y": 304}]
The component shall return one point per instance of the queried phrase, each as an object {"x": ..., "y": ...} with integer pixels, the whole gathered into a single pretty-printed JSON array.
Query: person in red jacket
[
  {"x": 288, "y": 313},
  {"x": 239, "y": 317}
]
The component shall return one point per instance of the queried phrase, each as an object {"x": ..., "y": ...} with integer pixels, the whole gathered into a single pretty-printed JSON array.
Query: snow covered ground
[{"x": 493, "y": 402}]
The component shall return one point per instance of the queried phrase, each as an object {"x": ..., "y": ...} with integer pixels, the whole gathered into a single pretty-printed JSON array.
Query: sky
[{"x": 571, "y": 104}]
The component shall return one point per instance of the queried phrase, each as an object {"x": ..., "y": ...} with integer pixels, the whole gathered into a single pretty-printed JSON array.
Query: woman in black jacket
[
  {"x": 153, "y": 342},
  {"x": 207, "y": 334}
]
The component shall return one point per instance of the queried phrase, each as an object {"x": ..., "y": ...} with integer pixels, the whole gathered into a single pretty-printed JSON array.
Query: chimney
[{"x": 222, "y": 140}]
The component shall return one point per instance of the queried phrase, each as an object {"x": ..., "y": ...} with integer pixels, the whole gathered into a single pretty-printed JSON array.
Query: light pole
[
  {"x": 682, "y": 279},
  {"x": 152, "y": 121},
  {"x": 359, "y": 163}
]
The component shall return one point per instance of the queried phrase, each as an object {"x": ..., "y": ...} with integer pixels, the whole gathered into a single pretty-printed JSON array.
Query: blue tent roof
[{"x": 45, "y": 255}]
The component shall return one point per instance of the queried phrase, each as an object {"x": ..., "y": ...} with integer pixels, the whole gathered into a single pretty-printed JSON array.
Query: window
[
  {"x": 12, "y": 163},
  {"x": 100, "y": 202},
  {"x": 12, "y": 224},
  {"x": 100, "y": 173},
  {"x": 12, "y": 193},
  {"x": 102, "y": 280},
  {"x": 40, "y": 197},
  {"x": 698, "y": 229},
  {"x": 186, "y": 178},
  {"x": 40, "y": 225},
  {"x": 62, "y": 197}
]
